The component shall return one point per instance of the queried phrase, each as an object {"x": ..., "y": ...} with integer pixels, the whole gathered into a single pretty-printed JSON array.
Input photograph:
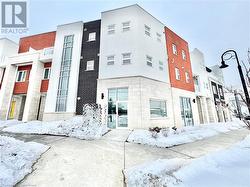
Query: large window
[
  {"x": 177, "y": 74},
  {"x": 62, "y": 92},
  {"x": 21, "y": 75},
  {"x": 174, "y": 48},
  {"x": 126, "y": 58},
  {"x": 158, "y": 108},
  {"x": 46, "y": 73}
]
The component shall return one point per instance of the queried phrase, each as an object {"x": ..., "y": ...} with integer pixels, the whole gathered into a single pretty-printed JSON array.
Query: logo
[{"x": 14, "y": 17}]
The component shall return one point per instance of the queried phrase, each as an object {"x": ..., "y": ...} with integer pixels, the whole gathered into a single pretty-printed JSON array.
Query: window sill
[
  {"x": 90, "y": 40},
  {"x": 89, "y": 70},
  {"x": 159, "y": 118}
]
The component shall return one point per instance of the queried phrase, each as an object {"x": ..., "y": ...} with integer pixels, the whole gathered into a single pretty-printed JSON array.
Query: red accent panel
[
  {"x": 22, "y": 87},
  {"x": 176, "y": 61},
  {"x": 37, "y": 42},
  {"x": 47, "y": 65},
  {"x": 44, "y": 85}
]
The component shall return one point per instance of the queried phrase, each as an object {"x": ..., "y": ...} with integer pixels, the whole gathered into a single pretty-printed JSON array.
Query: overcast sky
[{"x": 212, "y": 26}]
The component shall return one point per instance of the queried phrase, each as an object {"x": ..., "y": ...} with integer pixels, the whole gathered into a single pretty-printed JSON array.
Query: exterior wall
[
  {"x": 134, "y": 41},
  {"x": 176, "y": 61},
  {"x": 75, "y": 29},
  {"x": 140, "y": 91},
  {"x": 37, "y": 42},
  {"x": 7, "y": 48},
  {"x": 87, "y": 82},
  {"x": 45, "y": 82},
  {"x": 22, "y": 87},
  {"x": 176, "y": 94}
]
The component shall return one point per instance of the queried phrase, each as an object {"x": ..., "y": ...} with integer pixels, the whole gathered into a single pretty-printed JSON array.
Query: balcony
[{"x": 47, "y": 54}]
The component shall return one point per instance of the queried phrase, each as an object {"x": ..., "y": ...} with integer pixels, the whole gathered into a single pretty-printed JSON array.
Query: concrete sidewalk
[{"x": 74, "y": 162}]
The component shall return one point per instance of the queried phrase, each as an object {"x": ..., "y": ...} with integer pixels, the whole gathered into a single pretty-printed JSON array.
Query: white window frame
[
  {"x": 177, "y": 74},
  {"x": 92, "y": 36},
  {"x": 187, "y": 77},
  {"x": 90, "y": 67},
  {"x": 158, "y": 35},
  {"x": 166, "y": 108},
  {"x": 149, "y": 61},
  {"x": 174, "y": 49},
  {"x": 111, "y": 29},
  {"x": 23, "y": 78},
  {"x": 126, "y": 26},
  {"x": 183, "y": 54},
  {"x": 147, "y": 30},
  {"x": 111, "y": 60},
  {"x": 48, "y": 73},
  {"x": 126, "y": 58}
]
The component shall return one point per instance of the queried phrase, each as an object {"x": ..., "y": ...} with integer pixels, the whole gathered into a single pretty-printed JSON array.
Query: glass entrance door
[
  {"x": 118, "y": 108},
  {"x": 186, "y": 111}
]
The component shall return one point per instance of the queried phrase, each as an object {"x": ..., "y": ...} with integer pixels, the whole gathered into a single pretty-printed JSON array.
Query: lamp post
[{"x": 224, "y": 65}]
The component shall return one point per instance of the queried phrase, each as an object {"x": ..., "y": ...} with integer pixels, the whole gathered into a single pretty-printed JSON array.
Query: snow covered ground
[
  {"x": 17, "y": 158},
  {"x": 225, "y": 168},
  {"x": 184, "y": 135},
  {"x": 7, "y": 123},
  {"x": 74, "y": 127}
]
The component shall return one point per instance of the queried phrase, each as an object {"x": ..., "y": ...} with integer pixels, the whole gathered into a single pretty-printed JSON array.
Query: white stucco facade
[{"x": 75, "y": 29}]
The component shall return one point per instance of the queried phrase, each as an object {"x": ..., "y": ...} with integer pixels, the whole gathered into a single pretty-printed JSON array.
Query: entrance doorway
[
  {"x": 118, "y": 108},
  {"x": 186, "y": 111},
  {"x": 12, "y": 109}
]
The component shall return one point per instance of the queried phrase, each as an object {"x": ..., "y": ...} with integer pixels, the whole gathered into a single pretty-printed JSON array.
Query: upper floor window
[
  {"x": 21, "y": 75},
  {"x": 147, "y": 30},
  {"x": 111, "y": 29},
  {"x": 214, "y": 88},
  {"x": 174, "y": 48},
  {"x": 183, "y": 53},
  {"x": 187, "y": 77},
  {"x": 158, "y": 37},
  {"x": 46, "y": 73},
  {"x": 126, "y": 26},
  {"x": 92, "y": 36},
  {"x": 90, "y": 65},
  {"x": 177, "y": 74},
  {"x": 161, "y": 65},
  {"x": 149, "y": 61},
  {"x": 111, "y": 60},
  {"x": 126, "y": 58},
  {"x": 221, "y": 91}
]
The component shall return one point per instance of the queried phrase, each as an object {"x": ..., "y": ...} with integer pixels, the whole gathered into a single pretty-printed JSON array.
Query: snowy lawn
[
  {"x": 75, "y": 127},
  {"x": 17, "y": 158},
  {"x": 181, "y": 136},
  {"x": 225, "y": 168},
  {"x": 7, "y": 123}
]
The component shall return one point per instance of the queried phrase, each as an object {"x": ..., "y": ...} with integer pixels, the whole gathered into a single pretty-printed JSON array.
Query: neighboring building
[
  {"x": 182, "y": 85},
  {"x": 133, "y": 71}
]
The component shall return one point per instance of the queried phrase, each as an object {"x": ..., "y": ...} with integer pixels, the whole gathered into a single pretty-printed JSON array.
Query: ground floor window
[
  {"x": 117, "y": 107},
  {"x": 158, "y": 108},
  {"x": 186, "y": 111}
]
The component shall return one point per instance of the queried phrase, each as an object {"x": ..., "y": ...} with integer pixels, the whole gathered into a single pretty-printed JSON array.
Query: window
[
  {"x": 183, "y": 53},
  {"x": 149, "y": 61},
  {"x": 62, "y": 92},
  {"x": 158, "y": 37},
  {"x": 126, "y": 58},
  {"x": 147, "y": 30},
  {"x": 92, "y": 36},
  {"x": 110, "y": 60},
  {"x": 90, "y": 65},
  {"x": 46, "y": 73},
  {"x": 177, "y": 74},
  {"x": 214, "y": 88},
  {"x": 221, "y": 91},
  {"x": 126, "y": 26},
  {"x": 161, "y": 65},
  {"x": 48, "y": 51},
  {"x": 158, "y": 108},
  {"x": 111, "y": 29},
  {"x": 174, "y": 49},
  {"x": 21, "y": 75},
  {"x": 187, "y": 77}
]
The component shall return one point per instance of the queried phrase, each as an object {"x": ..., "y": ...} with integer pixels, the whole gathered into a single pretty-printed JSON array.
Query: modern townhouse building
[
  {"x": 182, "y": 85},
  {"x": 26, "y": 77}
]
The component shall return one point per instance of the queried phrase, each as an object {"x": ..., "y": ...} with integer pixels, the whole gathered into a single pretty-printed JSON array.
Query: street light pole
[{"x": 223, "y": 65}]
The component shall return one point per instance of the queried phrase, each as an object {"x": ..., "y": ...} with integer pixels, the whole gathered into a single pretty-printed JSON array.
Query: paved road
[{"x": 74, "y": 162}]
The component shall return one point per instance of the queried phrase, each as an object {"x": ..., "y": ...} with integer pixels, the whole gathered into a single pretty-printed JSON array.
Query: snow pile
[
  {"x": 88, "y": 127},
  {"x": 181, "y": 136},
  {"x": 230, "y": 167},
  {"x": 17, "y": 158},
  {"x": 6, "y": 123}
]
